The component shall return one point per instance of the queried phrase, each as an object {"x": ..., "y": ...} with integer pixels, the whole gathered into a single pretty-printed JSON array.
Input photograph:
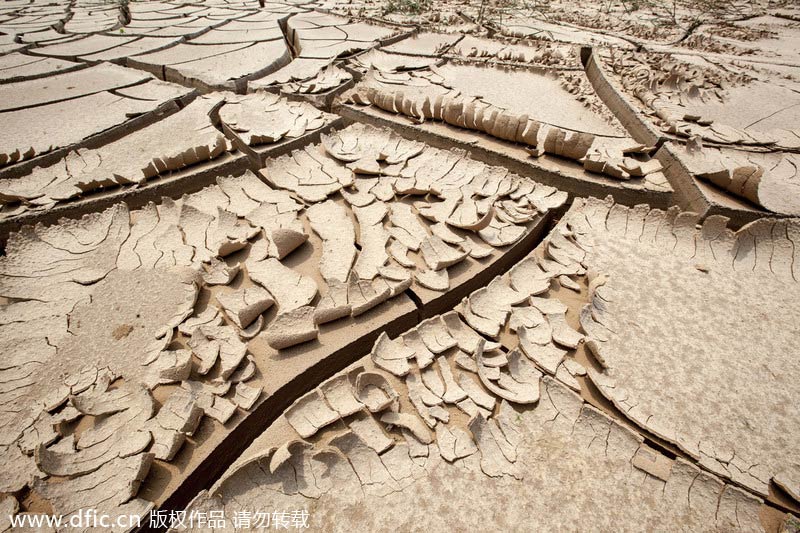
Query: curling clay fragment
[
  {"x": 292, "y": 327},
  {"x": 245, "y": 305},
  {"x": 374, "y": 391},
  {"x": 309, "y": 414},
  {"x": 391, "y": 355}
]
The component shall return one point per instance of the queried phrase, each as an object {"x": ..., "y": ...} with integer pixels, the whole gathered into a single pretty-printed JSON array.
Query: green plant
[{"x": 412, "y": 7}]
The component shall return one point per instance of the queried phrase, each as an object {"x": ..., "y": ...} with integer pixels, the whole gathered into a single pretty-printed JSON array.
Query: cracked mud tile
[
  {"x": 339, "y": 394},
  {"x": 36, "y": 135},
  {"x": 290, "y": 289},
  {"x": 373, "y": 238},
  {"x": 335, "y": 227},
  {"x": 322, "y": 35},
  {"x": 736, "y": 274},
  {"x": 369, "y": 430},
  {"x": 133, "y": 159},
  {"x": 309, "y": 414},
  {"x": 391, "y": 355},
  {"x": 104, "y": 266},
  {"x": 309, "y": 173},
  {"x": 550, "y": 444},
  {"x": 265, "y": 118},
  {"x": 245, "y": 305},
  {"x": 374, "y": 391},
  {"x": 111, "y": 489}
]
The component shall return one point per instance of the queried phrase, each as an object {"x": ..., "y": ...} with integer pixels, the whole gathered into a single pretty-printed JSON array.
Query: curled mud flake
[
  {"x": 309, "y": 414},
  {"x": 410, "y": 423},
  {"x": 494, "y": 359},
  {"x": 228, "y": 234},
  {"x": 171, "y": 366},
  {"x": 563, "y": 250},
  {"x": 446, "y": 234},
  {"x": 285, "y": 240},
  {"x": 219, "y": 273},
  {"x": 364, "y": 146},
  {"x": 521, "y": 385},
  {"x": 474, "y": 250},
  {"x": 422, "y": 353},
  {"x": 20, "y": 469},
  {"x": 484, "y": 303},
  {"x": 399, "y": 253},
  {"x": 563, "y": 334},
  {"x": 253, "y": 329},
  {"x": 177, "y": 418},
  {"x": 289, "y": 288},
  {"x": 292, "y": 327},
  {"x": 374, "y": 391},
  {"x": 363, "y": 295},
  {"x": 438, "y": 254},
  {"x": 327, "y": 79},
  {"x": 476, "y": 392},
  {"x": 245, "y": 305},
  {"x": 594, "y": 329},
  {"x": 394, "y": 273},
  {"x": 288, "y": 467},
  {"x": 423, "y": 391},
  {"x": 335, "y": 227},
  {"x": 245, "y": 396},
  {"x": 569, "y": 283},
  {"x": 370, "y": 432},
  {"x": 110, "y": 490},
  {"x": 333, "y": 305},
  {"x": 339, "y": 394},
  {"x": 264, "y": 118},
  {"x": 93, "y": 457},
  {"x": 453, "y": 393},
  {"x": 465, "y": 361},
  {"x": 494, "y": 448},
  {"x": 531, "y": 318},
  {"x": 391, "y": 355},
  {"x": 439, "y": 212},
  {"x": 466, "y": 338},
  {"x": 467, "y": 216},
  {"x": 308, "y": 173},
  {"x": 432, "y": 381},
  {"x": 545, "y": 354},
  {"x": 366, "y": 463},
  {"x": 406, "y": 227},
  {"x": 435, "y": 335},
  {"x": 567, "y": 378},
  {"x": 231, "y": 349},
  {"x": 499, "y": 234},
  {"x": 503, "y": 294},
  {"x": 209, "y": 399},
  {"x": 454, "y": 443},
  {"x": 436, "y": 280},
  {"x": 206, "y": 350},
  {"x": 652, "y": 462},
  {"x": 484, "y": 326},
  {"x": 99, "y": 400},
  {"x": 789, "y": 481},
  {"x": 138, "y": 407},
  {"x": 372, "y": 238},
  {"x": 415, "y": 448}
]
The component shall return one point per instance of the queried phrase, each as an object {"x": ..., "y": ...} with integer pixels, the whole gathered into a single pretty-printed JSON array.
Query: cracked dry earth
[{"x": 401, "y": 265}]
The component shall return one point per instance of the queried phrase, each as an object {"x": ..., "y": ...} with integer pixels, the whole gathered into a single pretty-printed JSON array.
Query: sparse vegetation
[{"x": 411, "y": 7}]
